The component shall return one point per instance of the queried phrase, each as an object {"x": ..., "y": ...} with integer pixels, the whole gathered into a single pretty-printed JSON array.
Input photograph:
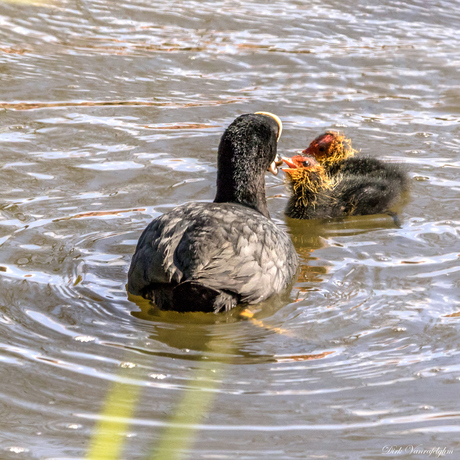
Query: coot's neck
[
  {"x": 246, "y": 149},
  {"x": 243, "y": 184}
]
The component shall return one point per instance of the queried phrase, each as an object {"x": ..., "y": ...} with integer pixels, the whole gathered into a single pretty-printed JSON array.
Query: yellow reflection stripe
[
  {"x": 110, "y": 431},
  {"x": 180, "y": 434}
]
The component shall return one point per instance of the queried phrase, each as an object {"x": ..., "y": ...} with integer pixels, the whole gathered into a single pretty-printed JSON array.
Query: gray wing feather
[{"x": 223, "y": 246}]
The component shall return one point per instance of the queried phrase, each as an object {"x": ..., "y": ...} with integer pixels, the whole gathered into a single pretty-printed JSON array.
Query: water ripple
[{"x": 111, "y": 115}]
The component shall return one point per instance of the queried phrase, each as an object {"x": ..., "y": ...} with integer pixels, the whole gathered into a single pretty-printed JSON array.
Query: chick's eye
[
  {"x": 321, "y": 149},
  {"x": 306, "y": 163}
]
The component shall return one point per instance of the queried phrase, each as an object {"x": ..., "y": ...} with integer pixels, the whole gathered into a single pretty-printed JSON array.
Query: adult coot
[
  {"x": 212, "y": 256},
  {"x": 353, "y": 191}
]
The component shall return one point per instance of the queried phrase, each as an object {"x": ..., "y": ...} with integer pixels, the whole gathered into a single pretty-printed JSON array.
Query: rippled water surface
[{"x": 110, "y": 114}]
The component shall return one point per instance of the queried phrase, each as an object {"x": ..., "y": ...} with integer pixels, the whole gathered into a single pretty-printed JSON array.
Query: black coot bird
[
  {"x": 334, "y": 152},
  {"x": 316, "y": 194},
  {"x": 212, "y": 256},
  {"x": 329, "y": 181}
]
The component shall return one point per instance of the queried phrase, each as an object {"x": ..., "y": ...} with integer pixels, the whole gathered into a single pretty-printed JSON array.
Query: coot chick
[
  {"x": 212, "y": 256},
  {"x": 318, "y": 195},
  {"x": 335, "y": 153}
]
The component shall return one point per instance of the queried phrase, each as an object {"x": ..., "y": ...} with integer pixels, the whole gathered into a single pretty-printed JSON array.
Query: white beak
[{"x": 276, "y": 118}]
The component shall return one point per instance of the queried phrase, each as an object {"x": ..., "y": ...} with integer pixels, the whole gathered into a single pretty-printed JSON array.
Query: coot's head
[
  {"x": 299, "y": 163},
  {"x": 330, "y": 148},
  {"x": 307, "y": 178},
  {"x": 303, "y": 171},
  {"x": 246, "y": 151}
]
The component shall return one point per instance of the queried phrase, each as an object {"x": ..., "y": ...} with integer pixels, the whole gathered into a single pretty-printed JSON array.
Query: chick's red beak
[
  {"x": 290, "y": 163},
  {"x": 294, "y": 163}
]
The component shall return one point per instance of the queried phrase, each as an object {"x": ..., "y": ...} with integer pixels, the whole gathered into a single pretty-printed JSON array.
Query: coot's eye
[{"x": 321, "y": 149}]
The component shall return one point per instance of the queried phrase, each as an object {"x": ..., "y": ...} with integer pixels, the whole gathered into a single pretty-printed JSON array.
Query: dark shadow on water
[
  {"x": 225, "y": 337},
  {"x": 311, "y": 233}
]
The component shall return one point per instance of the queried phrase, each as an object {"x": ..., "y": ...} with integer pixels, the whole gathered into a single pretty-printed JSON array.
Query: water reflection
[{"x": 111, "y": 114}]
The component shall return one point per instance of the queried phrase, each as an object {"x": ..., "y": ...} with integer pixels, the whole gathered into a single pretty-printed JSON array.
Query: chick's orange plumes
[{"x": 330, "y": 148}]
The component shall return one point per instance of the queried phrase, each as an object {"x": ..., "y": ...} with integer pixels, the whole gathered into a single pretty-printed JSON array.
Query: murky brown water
[{"x": 111, "y": 113}]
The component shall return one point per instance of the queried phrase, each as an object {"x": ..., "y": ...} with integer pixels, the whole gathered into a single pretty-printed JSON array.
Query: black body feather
[{"x": 213, "y": 256}]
